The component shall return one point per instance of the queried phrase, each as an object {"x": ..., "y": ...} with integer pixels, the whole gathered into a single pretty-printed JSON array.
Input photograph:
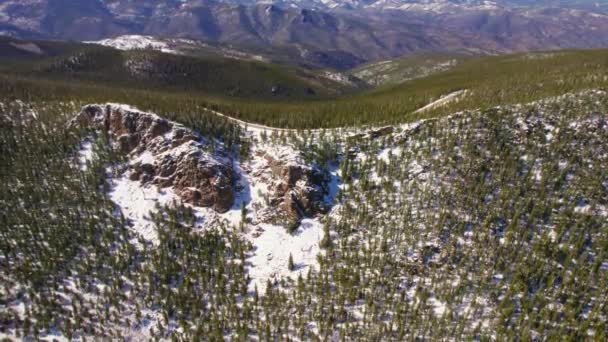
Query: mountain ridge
[{"x": 339, "y": 39}]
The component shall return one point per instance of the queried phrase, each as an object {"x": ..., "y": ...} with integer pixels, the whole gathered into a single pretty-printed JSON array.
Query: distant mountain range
[{"x": 323, "y": 33}]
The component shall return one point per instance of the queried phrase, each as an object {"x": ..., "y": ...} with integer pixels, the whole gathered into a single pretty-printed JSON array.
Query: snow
[
  {"x": 337, "y": 77},
  {"x": 256, "y": 129},
  {"x": 28, "y": 47},
  {"x": 553, "y": 235},
  {"x": 442, "y": 101},
  {"x": 334, "y": 185},
  {"x": 434, "y": 6},
  {"x": 145, "y": 158},
  {"x": 243, "y": 197},
  {"x": 133, "y": 42},
  {"x": 585, "y": 208},
  {"x": 438, "y": 306},
  {"x": 174, "y": 46},
  {"x": 273, "y": 247},
  {"x": 582, "y": 208},
  {"x": 53, "y": 336},
  {"x": 126, "y": 107},
  {"x": 136, "y": 202},
  {"x": 85, "y": 155},
  {"x": 150, "y": 320},
  {"x": 272, "y": 243},
  {"x": 390, "y": 153}
]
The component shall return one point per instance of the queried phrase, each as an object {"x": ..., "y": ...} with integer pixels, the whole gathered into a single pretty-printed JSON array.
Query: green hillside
[
  {"x": 395, "y": 71},
  {"x": 490, "y": 224},
  {"x": 491, "y": 81},
  {"x": 15, "y": 50},
  {"x": 162, "y": 82},
  {"x": 153, "y": 70}
]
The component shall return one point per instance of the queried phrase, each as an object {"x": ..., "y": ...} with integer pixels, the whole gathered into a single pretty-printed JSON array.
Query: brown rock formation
[
  {"x": 297, "y": 191},
  {"x": 164, "y": 153}
]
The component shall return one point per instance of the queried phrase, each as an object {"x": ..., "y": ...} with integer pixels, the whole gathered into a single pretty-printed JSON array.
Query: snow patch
[
  {"x": 274, "y": 245},
  {"x": 28, "y": 47},
  {"x": 135, "y": 42},
  {"x": 337, "y": 77},
  {"x": 438, "y": 306},
  {"x": 442, "y": 101},
  {"x": 390, "y": 153},
  {"x": 85, "y": 155},
  {"x": 136, "y": 202}
]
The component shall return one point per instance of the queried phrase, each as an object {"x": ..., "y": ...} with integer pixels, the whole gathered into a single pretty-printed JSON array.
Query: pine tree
[{"x": 290, "y": 264}]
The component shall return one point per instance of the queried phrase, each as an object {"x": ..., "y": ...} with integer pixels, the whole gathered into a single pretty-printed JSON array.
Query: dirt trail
[
  {"x": 442, "y": 101},
  {"x": 251, "y": 126},
  {"x": 257, "y": 128}
]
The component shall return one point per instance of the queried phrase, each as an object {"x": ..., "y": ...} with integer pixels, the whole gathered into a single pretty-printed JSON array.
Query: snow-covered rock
[
  {"x": 296, "y": 190},
  {"x": 166, "y": 154}
]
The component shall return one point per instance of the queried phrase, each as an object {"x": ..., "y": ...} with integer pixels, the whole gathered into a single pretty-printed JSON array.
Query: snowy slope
[
  {"x": 134, "y": 42},
  {"x": 433, "y": 6},
  {"x": 389, "y": 218},
  {"x": 176, "y": 46},
  {"x": 272, "y": 244}
]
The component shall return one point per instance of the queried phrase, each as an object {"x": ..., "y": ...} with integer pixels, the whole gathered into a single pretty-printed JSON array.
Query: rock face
[
  {"x": 164, "y": 153},
  {"x": 372, "y": 134},
  {"x": 295, "y": 191}
]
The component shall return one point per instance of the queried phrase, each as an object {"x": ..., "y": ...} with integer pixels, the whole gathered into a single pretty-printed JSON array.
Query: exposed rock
[
  {"x": 380, "y": 132},
  {"x": 296, "y": 191},
  {"x": 372, "y": 134},
  {"x": 165, "y": 153}
]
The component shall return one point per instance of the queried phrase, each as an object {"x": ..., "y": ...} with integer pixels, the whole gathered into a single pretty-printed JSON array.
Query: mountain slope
[
  {"x": 488, "y": 81},
  {"x": 211, "y": 74},
  {"x": 16, "y": 50},
  {"x": 339, "y": 39},
  {"x": 436, "y": 6},
  {"x": 397, "y": 71},
  {"x": 451, "y": 228}
]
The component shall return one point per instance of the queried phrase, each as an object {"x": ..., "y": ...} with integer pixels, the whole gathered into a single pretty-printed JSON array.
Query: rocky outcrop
[
  {"x": 164, "y": 153},
  {"x": 380, "y": 132},
  {"x": 372, "y": 134},
  {"x": 295, "y": 191}
]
